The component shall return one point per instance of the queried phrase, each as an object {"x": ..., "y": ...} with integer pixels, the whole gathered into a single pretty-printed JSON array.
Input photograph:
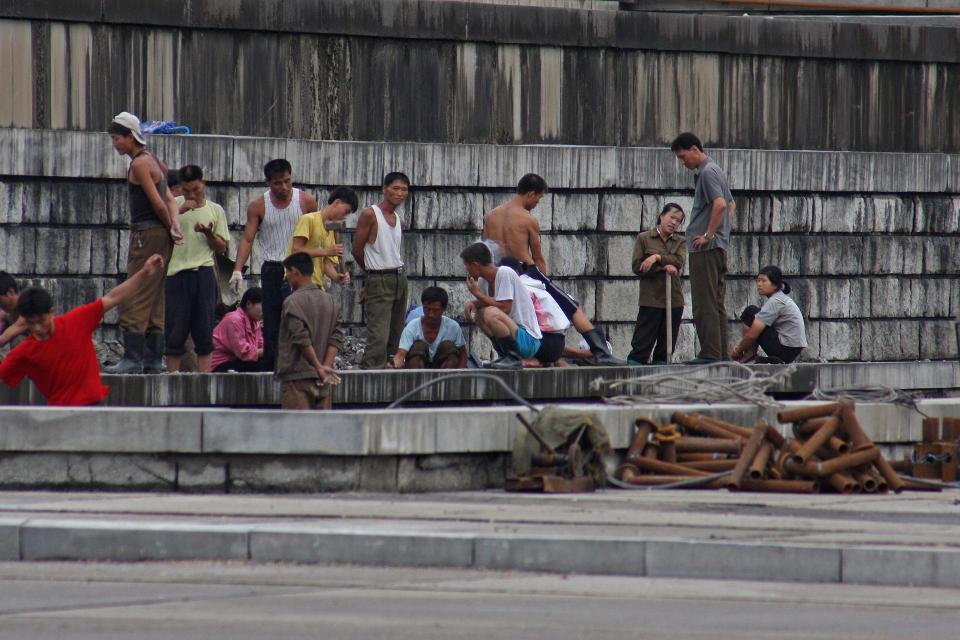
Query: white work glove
[{"x": 236, "y": 282}]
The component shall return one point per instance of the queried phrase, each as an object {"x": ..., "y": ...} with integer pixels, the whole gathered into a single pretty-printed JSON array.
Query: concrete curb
[{"x": 132, "y": 541}]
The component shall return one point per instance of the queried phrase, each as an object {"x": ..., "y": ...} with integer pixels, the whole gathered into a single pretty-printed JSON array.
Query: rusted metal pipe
[
  {"x": 817, "y": 440},
  {"x": 807, "y": 428},
  {"x": 645, "y": 427},
  {"x": 743, "y": 432},
  {"x": 824, "y": 468},
  {"x": 806, "y": 413},
  {"x": 760, "y": 461},
  {"x": 775, "y": 437},
  {"x": 855, "y": 433},
  {"x": 781, "y": 486},
  {"x": 652, "y": 451},
  {"x": 894, "y": 481},
  {"x": 747, "y": 455},
  {"x": 629, "y": 473},
  {"x": 666, "y": 468},
  {"x": 708, "y": 445},
  {"x": 684, "y": 458},
  {"x": 668, "y": 451},
  {"x": 711, "y": 430},
  {"x": 694, "y": 422},
  {"x": 951, "y": 430},
  {"x": 867, "y": 481},
  {"x": 931, "y": 430},
  {"x": 882, "y": 486},
  {"x": 713, "y": 465},
  {"x": 838, "y": 446},
  {"x": 843, "y": 483}
]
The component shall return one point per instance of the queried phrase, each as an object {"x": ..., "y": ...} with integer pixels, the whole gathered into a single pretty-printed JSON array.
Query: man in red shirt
[{"x": 58, "y": 356}]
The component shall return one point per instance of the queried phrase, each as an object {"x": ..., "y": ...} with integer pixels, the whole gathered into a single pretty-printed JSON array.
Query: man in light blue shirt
[{"x": 432, "y": 341}]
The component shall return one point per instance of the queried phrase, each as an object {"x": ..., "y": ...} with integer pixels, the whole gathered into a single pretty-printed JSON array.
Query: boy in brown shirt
[{"x": 310, "y": 338}]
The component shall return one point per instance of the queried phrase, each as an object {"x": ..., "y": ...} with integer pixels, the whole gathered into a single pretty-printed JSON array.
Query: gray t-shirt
[
  {"x": 711, "y": 184},
  {"x": 783, "y": 314}
]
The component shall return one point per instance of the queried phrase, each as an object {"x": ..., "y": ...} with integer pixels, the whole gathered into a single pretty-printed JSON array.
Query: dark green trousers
[
  {"x": 384, "y": 311},
  {"x": 707, "y": 270}
]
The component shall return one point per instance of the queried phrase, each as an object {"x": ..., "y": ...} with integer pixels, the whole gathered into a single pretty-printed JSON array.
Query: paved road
[{"x": 239, "y": 600}]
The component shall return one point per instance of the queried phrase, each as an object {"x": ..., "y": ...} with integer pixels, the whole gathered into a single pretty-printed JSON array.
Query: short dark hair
[
  {"x": 276, "y": 168},
  {"x": 173, "y": 178},
  {"x": 120, "y": 130},
  {"x": 300, "y": 261},
  {"x": 513, "y": 263},
  {"x": 393, "y": 176},
  {"x": 435, "y": 294},
  {"x": 253, "y": 295},
  {"x": 775, "y": 276},
  {"x": 477, "y": 252},
  {"x": 667, "y": 207},
  {"x": 6, "y": 283},
  {"x": 345, "y": 194},
  {"x": 34, "y": 302},
  {"x": 531, "y": 183},
  {"x": 190, "y": 172},
  {"x": 686, "y": 140}
]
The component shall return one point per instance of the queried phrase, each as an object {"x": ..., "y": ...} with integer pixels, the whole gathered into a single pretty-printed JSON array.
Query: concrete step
[
  {"x": 260, "y": 450},
  {"x": 907, "y": 540},
  {"x": 385, "y": 386}
]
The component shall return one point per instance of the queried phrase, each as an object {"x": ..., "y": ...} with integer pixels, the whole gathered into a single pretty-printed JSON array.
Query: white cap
[{"x": 131, "y": 122}]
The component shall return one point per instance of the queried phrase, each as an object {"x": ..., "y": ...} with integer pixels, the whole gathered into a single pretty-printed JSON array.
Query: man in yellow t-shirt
[
  {"x": 191, "y": 285},
  {"x": 312, "y": 237}
]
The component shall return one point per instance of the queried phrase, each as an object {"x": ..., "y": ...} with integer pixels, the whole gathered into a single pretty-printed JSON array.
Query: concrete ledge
[
  {"x": 10, "y": 538},
  {"x": 561, "y": 555},
  {"x": 915, "y": 567},
  {"x": 728, "y": 561},
  {"x": 361, "y": 388}
]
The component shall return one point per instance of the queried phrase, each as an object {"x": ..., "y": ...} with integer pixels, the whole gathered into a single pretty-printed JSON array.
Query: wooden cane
[
  {"x": 669, "y": 320},
  {"x": 337, "y": 226}
]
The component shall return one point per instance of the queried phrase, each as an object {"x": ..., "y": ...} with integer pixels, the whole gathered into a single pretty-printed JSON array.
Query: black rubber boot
[
  {"x": 598, "y": 347},
  {"x": 153, "y": 353},
  {"x": 132, "y": 361}
]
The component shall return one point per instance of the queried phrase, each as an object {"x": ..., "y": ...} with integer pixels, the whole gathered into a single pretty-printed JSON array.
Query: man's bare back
[{"x": 517, "y": 232}]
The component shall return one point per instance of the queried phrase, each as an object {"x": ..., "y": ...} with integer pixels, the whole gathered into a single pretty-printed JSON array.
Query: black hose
[
  {"x": 464, "y": 374},
  {"x": 682, "y": 484}
]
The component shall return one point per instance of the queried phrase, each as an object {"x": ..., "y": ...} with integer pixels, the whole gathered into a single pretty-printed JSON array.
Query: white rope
[{"x": 710, "y": 383}]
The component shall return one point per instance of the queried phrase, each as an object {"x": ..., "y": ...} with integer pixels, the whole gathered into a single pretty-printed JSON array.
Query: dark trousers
[
  {"x": 650, "y": 334},
  {"x": 275, "y": 291},
  {"x": 242, "y": 366},
  {"x": 384, "y": 311},
  {"x": 707, "y": 270},
  {"x": 190, "y": 306},
  {"x": 769, "y": 341}
]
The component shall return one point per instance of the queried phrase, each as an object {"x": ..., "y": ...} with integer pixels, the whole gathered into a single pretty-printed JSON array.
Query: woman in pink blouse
[{"x": 238, "y": 339}]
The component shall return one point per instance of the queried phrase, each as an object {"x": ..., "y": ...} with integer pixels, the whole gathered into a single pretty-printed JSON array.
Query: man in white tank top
[
  {"x": 378, "y": 249},
  {"x": 271, "y": 219}
]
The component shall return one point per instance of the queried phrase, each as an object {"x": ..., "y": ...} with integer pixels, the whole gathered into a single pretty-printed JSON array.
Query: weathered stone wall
[
  {"x": 869, "y": 241},
  {"x": 434, "y": 71}
]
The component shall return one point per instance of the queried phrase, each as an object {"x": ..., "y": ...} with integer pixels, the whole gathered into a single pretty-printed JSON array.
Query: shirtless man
[
  {"x": 271, "y": 220},
  {"x": 513, "y": 231}
]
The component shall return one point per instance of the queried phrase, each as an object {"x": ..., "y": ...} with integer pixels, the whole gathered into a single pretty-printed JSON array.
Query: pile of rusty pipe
[
  {"x": 684, "y": 458},
  {"x": 808, "y": 413},
  {"x": 667, "y": 468},
  {"x": 819, "y": 438},
  {"x": 709, "y": 426},
  {"x": 668, "y": 451},
  {"x": 843, "y": 483},
  {"x": 749, "y": 452},
  {"x": 760, "y": 461},
  {"x": 713, "y": 465},
  {"x": 821, "y": 469}
]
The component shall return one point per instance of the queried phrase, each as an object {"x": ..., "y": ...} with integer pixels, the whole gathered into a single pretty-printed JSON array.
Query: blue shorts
[{"x": 527, "y": 345}]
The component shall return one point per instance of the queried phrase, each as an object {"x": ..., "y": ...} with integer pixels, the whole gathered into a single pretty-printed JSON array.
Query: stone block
[
  {"x": 234, "y": 206},
  {"x": 898, "y": 297},
  {"x": 734, "y": 561},
  {"x": 622, "y": 212},
  {"x": 87, "y": 471},
  {"x": 620, "y": 255},
  {"x": 288, "y": 433},
  {"x": 118, "y": 204},
  {"x": 79, "y": 154},
  {"x": 573, "y": 255},
  {"x": 651, "y": 168},
  {"x": 585, "y": 292},
  {"x": 348, "y": 301},
  {"x": 617, "y": 300},
  {"x": 937, "y": 214},
  {"x": 446, "y": 165},
  {"x": 793, "y": 254},
  {"x": 19, "y": 255},
  {"x": 618, "y": 335},
  {"x": 16, "y": 200},
  {"x": 501, "y": 166},
  {"x": 842, "y": 255},
  {"x": 104, "y": 256},
  {"x": 102, "y": 429},
  {"x": 437, "y": 254},
  {"x": 251, "y": 474},
  {"x": 938, "y": 340},
  {"x": 812, "y": 353},
  {"x": 841, "y": 214},
  {"x": 940, "y": 256},
  {"x": 131, "y": 541},
  {"x": 458, "y": 296},
  {"x": 64, "y": 251},
  {"x": 343, "y": 545},
  {"x": 840, "y": 340},
  {"x": 202, "y": 474},
  {"x": 890, "y": 340},
  {"x": 902, "y": 566},
  {"x": 576, "y": 212},
  {"x": 251, "y": 154},
  {"x": 448, "y": 210},
  {"x": 10, "y": 539},
  {"x": 455, "y": 434},
  {"x": 894, "y": 254},
  {"x": 831, "y": 298},
  {"x": 892, "y": 214},
  {"x": 213, "y": 154},
  {"x": 452, "y": 472},
  {"x": 739, "y": 292},
  {"x": 743, "y": 255},
  {"x": 753, "y": 213},
  {"x": 791, "y": 213},
  {"x": 567, "y": 555}
]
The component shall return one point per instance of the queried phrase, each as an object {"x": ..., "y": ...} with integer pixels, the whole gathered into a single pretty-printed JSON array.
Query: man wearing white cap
[{"x": 154, "y": 228}]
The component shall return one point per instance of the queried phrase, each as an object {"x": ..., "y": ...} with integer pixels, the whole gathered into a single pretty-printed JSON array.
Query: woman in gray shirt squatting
[{"x": 776, "y": 327}]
